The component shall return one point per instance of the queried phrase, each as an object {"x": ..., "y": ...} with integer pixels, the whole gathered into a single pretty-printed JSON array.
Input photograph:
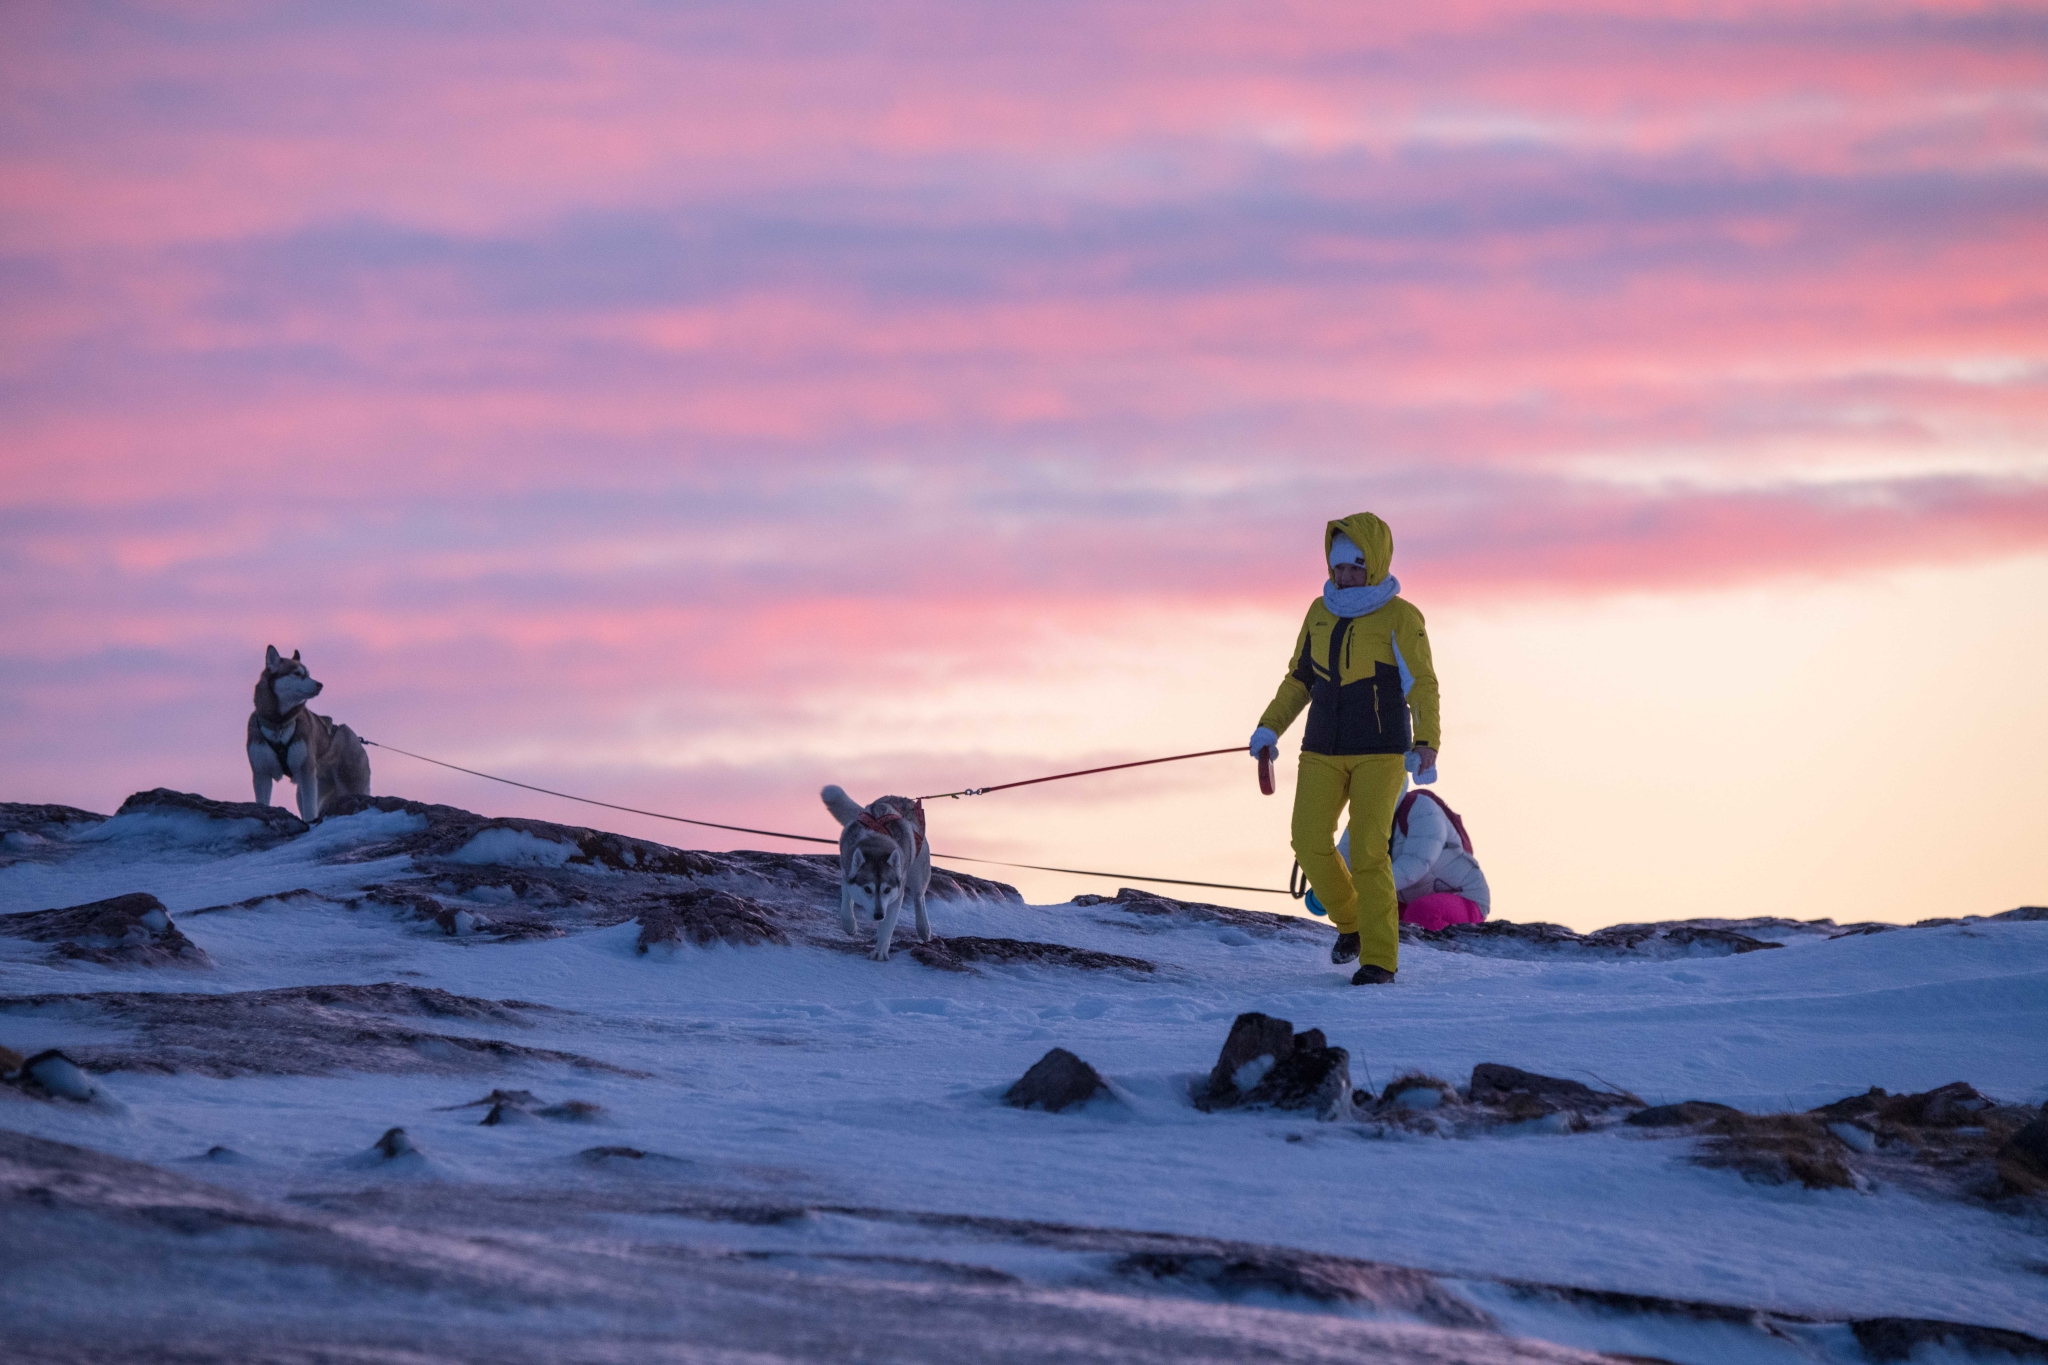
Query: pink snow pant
[{"x": 1441, "y": 908}]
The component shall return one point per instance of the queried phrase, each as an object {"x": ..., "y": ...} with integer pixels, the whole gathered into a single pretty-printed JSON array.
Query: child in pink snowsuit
[{"x": 1436, "y": 878}]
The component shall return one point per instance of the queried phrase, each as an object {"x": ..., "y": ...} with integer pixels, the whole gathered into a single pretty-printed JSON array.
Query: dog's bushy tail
[{"x": 844, "y": 808}]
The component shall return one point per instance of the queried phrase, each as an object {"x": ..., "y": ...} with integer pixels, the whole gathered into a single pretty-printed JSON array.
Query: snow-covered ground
[{"x": 821, "y": 1165}]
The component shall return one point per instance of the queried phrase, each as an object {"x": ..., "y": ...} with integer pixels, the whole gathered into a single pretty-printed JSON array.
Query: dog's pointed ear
[
  {"x": 295, "y": 656},
  {"x": 271, "y": 656}
]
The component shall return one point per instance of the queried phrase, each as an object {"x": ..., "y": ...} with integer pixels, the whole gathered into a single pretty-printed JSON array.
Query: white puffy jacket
[{"x": 1430, "y": 857}]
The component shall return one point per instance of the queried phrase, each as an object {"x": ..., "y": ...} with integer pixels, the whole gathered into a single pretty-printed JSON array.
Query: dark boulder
[
  {"x": 2023, "y": 1160},
  {"x": 1055, "y": 1081},
  {"x": 393, "y": 1145},
  {"x": 1264, "y": 1062},
  {"x": 1682, "y": 1114},
  {"x": 1527, "y": 1094},
  {"x": 1893, "y": 1339}
]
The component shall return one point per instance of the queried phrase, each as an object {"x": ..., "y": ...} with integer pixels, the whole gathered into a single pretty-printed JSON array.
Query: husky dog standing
[
  {"x": 884, "y": 860},
  {"x": 325, "y": 761}
]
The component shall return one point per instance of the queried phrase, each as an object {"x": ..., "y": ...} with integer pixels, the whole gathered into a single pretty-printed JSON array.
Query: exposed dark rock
[
  {"x": 1852, "y": 1106},
  {"x": 1055, "y": 1081},
  {"x": 296, "y": 896},
  {"x": 1682, "y": 1114},
  {"x": 1672, "y": 939},
  {"x": 276, "y": 824},
  {"x": 2024, "y": 912},
  {"x": 1322, "y": 1279},
  {"x": 302, "y": 1030},
  {"x": 1893, "y": 1339},
  {"x": 1264, "y": 1062},
  {"x": 39, "y": 819},
  {"x": 10, "y": 1063},
  {"x": 503, "y": 1113},
  {"x": 704, "y": 917},
  {"x": 522, "y": 1098},
  {"x": 1526, "y": 1094},
  {"x": 1255, "y": 1045},
  {"x": 1954, "y": 1105},
  {"x": 955, "y": 953},
  {"x": 123, "y": 931},
  {"x": 2023, "y": 1159},
  {"x": 393, "y": 1144},
  {"x": 1258, "y": 923},
  {"x": 1777, "y": 1149},
  {"x": 38, "y": 832},
  {"x": 571, "y": 1111},
  {"x": 597, "y": 1154}
]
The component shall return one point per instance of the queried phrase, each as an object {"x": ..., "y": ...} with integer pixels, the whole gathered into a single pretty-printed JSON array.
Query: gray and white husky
[
  {"x": 884, "y": 860},
  {"x": 325, "y": 761}
]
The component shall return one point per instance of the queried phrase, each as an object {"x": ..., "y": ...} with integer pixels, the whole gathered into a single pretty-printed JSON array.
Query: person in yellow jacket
[{"x": 1361, "y": 667}]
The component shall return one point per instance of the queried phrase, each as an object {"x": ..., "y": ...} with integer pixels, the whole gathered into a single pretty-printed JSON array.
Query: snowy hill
[{"x": 419, "y": 1085}]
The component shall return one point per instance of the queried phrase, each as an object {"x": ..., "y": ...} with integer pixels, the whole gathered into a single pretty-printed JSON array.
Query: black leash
[{"x": 814, "y": 839}]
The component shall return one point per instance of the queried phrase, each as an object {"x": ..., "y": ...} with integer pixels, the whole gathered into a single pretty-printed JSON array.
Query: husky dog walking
[
  {"x": 884, "y": 860},
  {"x": 325, "y": 761}
]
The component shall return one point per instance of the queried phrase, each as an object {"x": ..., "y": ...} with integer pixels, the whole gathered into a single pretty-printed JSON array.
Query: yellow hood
[{"x": 1369, "y": 534}]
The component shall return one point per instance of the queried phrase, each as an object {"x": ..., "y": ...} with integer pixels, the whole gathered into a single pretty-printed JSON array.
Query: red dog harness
[{"x": 880, "y": 824}]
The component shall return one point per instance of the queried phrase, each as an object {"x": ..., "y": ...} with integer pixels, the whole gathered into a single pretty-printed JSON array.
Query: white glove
[
  {"x": 1423, "y": 776},
  {"x": 1263, "y": 739}
]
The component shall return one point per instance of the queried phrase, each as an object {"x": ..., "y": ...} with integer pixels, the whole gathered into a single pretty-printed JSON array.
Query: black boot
[
  {"x": 1345, "y": 949},
  {"x": 1369, "y": 975}
]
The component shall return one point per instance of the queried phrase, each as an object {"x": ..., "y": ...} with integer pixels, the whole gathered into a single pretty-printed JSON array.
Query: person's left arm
[{"x": 1411, "y": 633}]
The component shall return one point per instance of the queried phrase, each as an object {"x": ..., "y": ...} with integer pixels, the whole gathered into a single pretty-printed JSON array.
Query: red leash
[{"x": 1056, "y": 777}]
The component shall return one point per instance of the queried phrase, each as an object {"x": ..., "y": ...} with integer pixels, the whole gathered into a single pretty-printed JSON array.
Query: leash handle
[{"x": 1266, "y": 771}]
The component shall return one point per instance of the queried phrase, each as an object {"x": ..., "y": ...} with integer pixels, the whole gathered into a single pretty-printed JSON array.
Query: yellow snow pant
[{"x": 1360, "y": 898}]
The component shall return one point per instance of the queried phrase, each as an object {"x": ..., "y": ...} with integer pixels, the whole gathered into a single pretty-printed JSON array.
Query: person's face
[{"x": 1349, "y": 575}]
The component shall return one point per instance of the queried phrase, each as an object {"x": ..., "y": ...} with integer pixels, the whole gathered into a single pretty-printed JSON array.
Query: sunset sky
[{"x": 691, "y": 404}]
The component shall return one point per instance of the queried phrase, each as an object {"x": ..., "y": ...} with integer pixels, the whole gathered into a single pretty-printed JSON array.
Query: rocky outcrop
[
  {"x": 1265, "y": 1063},
  {"x": 302, "y": 1030},
  {"x": 1056, "y": 1081},
  {"x": 123, "y": 931},
  {"x": 1522, "y": 1094},
  {"x": 1895, "y": 1339},
  {"x": 956, "y": 954},
  {"x": 1683, "y": 1114},
  {"x": 1667, "y": 940},
  {"x": 2023, "y": 1158},
  {"x": 704, "y": 917},
  {"x": 242, "y": 820},
  {"x": 1149, "y": 905}
]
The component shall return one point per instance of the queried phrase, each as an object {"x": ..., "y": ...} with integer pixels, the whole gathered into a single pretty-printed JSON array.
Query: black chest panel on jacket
[{"x": 1366, "y": 716}]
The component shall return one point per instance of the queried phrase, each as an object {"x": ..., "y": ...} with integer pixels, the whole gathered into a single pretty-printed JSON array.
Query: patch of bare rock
[
  {"x": 960, "y": 952},
  {"x": 244, "y": 822},
  {"x": 122, "y": 931},
  {"x": 34, "y": 833},
  {"x": 300, "y": 1030},
  {"x": 1135, "y": 909},
  {"x": 703, "y": 916}
]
